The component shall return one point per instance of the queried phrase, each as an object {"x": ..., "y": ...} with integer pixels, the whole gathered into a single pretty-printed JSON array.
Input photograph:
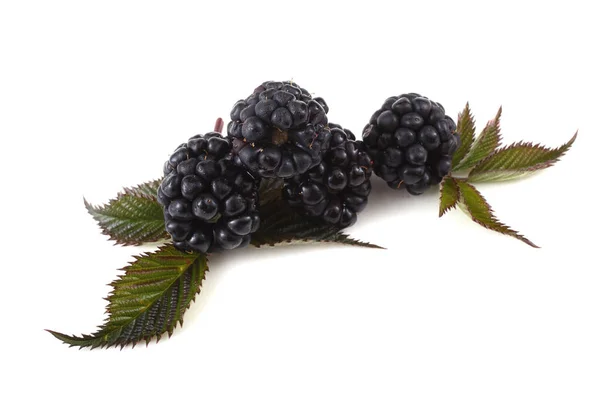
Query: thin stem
[{"x": 219, "y": 125}]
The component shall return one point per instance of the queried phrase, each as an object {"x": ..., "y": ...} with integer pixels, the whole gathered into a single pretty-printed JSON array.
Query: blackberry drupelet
[
  {"x": 338, "y": 187},
  {"x": 210, "y": 204},
  {"x": 279, "y": 130},
  {"x": 411, "y": 141}
]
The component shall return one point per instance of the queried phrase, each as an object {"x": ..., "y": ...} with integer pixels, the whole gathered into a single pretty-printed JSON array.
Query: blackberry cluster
[
  {"x": 338, "y": 187},
  {"x": 279, "y": 130},
  {"x": 411, "y": 141},
  {"x": 210, "y": 204}
]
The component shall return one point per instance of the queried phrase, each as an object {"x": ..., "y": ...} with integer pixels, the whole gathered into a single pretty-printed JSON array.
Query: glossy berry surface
[
  {"x": 411, "y": 141},
  {"x": 209, "y": 203},
  {"x": 279, "y": 130},
  {"x": 336, "y": 189}
]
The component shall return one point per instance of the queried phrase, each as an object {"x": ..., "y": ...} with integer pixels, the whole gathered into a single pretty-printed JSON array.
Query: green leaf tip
[
  {"x": 449, "y": 195},
  {"x": 465, "y": 127},
  {"x": 517, "y": 161},
  {"x": 134, "y": 217},
  {"x": 484, "y": 145},
  {"x": 149, "y": 300},
  {"x": 70, "y": 340},
  {"x": 475, "y": 205}
]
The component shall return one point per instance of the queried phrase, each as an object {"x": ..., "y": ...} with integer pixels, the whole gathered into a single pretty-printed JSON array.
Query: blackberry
[
  {"x": 338, "y": 187},
  {"x": 279, "y": 130},
  {"x": 411, "y": 141},
  {"x": 210, "y": 204}
]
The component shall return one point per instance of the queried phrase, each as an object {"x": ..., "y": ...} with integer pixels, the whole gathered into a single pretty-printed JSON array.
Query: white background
[{"x": 95, "y": 95}]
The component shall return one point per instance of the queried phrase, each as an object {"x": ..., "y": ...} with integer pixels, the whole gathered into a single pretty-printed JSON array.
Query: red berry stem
[{"x": 219, "y": 125}]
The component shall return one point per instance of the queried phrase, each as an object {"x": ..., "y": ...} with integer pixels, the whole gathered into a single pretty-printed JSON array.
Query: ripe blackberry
[
  {"x": 210, "y": 204},
  {"x": 338, "y": 187},
  {"x": 411, "y": 141},
  {"x": 279, "y": 130}
]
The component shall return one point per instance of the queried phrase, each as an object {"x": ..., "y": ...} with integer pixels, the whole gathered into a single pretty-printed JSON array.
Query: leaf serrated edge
[
  {"x": 492, "y": 127},
  {"x": 343, "y": 239},
  {"x": 96, "y": 212},
  {"x": 500, "y": 228},
  {"x": 136, "y": 190},
  {"x": 72, "y": 340},
  {"x": 465, "y": 127},
  {"x": 444, "y": 208},
  {"x": 474, "y": 174}
]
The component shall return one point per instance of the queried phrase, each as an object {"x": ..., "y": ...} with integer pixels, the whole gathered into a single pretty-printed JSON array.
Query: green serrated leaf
[
  {"x": 474, "y": 204},
  {"x": 517, "y": 161},
  {"x": 134, "y": 217},
  {"x": 280, "y": 224},
  {"x": 146, "y": 189},
  {"x": 449, "y": 194},
  {"x": 485, "y": 144},
  {"x": 148, "y": 300},
  {"x": 465, "y": 127}
]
